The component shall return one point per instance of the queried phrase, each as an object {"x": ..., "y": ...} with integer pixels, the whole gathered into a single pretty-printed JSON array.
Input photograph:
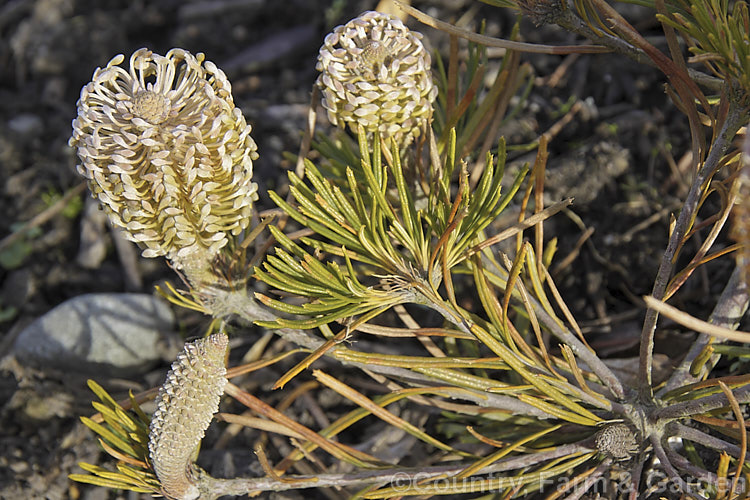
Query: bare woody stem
[
  {"x": 576, "y": 490},
  {"x": 734, "y": 120},
  {"x": 684, "y": 464},
  {"x": 489, "y": 41},
  {"x": 699, "y": 406},
  {"x": 635, "y": 479},
  {"x": 728, "y": 311},
  {"x": 249, "y": 310},
  {"x": 213, "y": 488},
  {"x": 661, "y": 454},
  {"x": 595, "y": 364},
  {"x": 585, "y": 354},
  {"x": 568, "y": 20},
  {"x": 588, "y": 356},
  {"x": 701, "y": 437}
]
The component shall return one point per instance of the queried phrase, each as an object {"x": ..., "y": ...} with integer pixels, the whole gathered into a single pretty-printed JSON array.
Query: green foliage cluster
[
  {"x": 376, "y": 223},
  {"x": 718, "y": 35},
  {"x": 124, "y": 435}
]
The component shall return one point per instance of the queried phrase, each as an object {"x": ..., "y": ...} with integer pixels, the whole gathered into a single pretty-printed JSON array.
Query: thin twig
[
  {"x": 735, "y": 118},
  {"x": 257, "y": 423},
  {"x": 489, "y": 41},
  {"x": 566, "y": 19},
  {"x": 250, "y": 311},
  {"x": 336, "y": 449},
  {"x": 729, "y": 309},
  {"x": 700, "y": 405},
  {"x": 743, "y": 432},
  {"x": 691, "y": 434},
  {"x": 683, "y": 463},
  {"x": 588, "y": 481},
  {"x": 581, "y": 350},
  {"x": 667, "y": 465},
  {"x": 593, "y": 362},
  {"x": 403, "y": 476},
  {"x": 519, "y": 226},
  {"x": 635, "y": 479},
  {"x": 694, "y": 323},
  {"x": 44, "y": 215}
]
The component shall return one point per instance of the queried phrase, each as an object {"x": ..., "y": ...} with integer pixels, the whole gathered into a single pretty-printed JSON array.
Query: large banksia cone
[
  {"x": 375, "y": 72},
  {"x": 184, "y": 409},
  {"x": 167, "y": 153}
]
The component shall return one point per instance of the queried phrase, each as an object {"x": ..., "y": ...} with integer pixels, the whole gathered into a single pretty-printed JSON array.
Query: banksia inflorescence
[
  {"x": 616, "y": 441},
  {"x": 184, "y": 409},
  {"x": 167, "y": 153},
  {"x": 375, "y": 72}
]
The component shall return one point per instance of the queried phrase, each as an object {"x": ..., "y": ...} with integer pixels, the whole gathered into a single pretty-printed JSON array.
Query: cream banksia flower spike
[
  {"x": 184, "y": 408},
  {"x": 375, "y": 72},
  {"x": 168, "y": 154}
]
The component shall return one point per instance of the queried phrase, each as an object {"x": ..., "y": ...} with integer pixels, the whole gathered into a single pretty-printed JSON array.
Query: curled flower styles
[
  {"x": 375, "y": 72},
  {"x": 167, "y": 153},
  {"x": 184, "y": 408}
]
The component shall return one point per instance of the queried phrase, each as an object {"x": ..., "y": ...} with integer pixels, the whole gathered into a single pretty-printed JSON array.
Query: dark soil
[{"x": 612, "y": 158}]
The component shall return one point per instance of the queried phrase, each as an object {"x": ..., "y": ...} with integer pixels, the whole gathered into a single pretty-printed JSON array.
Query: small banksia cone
[
  {"x": 167, "y": 153},
  {"x": 617, "y": 441},
  {"x": 375, "y": 72},
  {"x": 184, "y": 408}
]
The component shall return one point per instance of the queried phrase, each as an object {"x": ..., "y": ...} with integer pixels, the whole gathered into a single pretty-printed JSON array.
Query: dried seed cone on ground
[
  {"x": 167, "y": 153},
  {"x": 375, "y": 72},
  {"x": 184, "y": 409}
]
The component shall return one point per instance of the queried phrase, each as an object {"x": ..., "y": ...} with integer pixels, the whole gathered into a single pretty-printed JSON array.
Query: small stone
[
  {"x": 113, "y": 333},
  {"x": 19, "y": 467},
  {"x": 17, "y": 288},
  {"x": 93, "y": 248},
  {"x": 26, "y": 124}
]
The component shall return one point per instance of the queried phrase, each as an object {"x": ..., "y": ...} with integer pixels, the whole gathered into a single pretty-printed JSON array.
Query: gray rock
[
  {"x": 109, "y": 333},
  {"x": 26, "y": 124}
]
